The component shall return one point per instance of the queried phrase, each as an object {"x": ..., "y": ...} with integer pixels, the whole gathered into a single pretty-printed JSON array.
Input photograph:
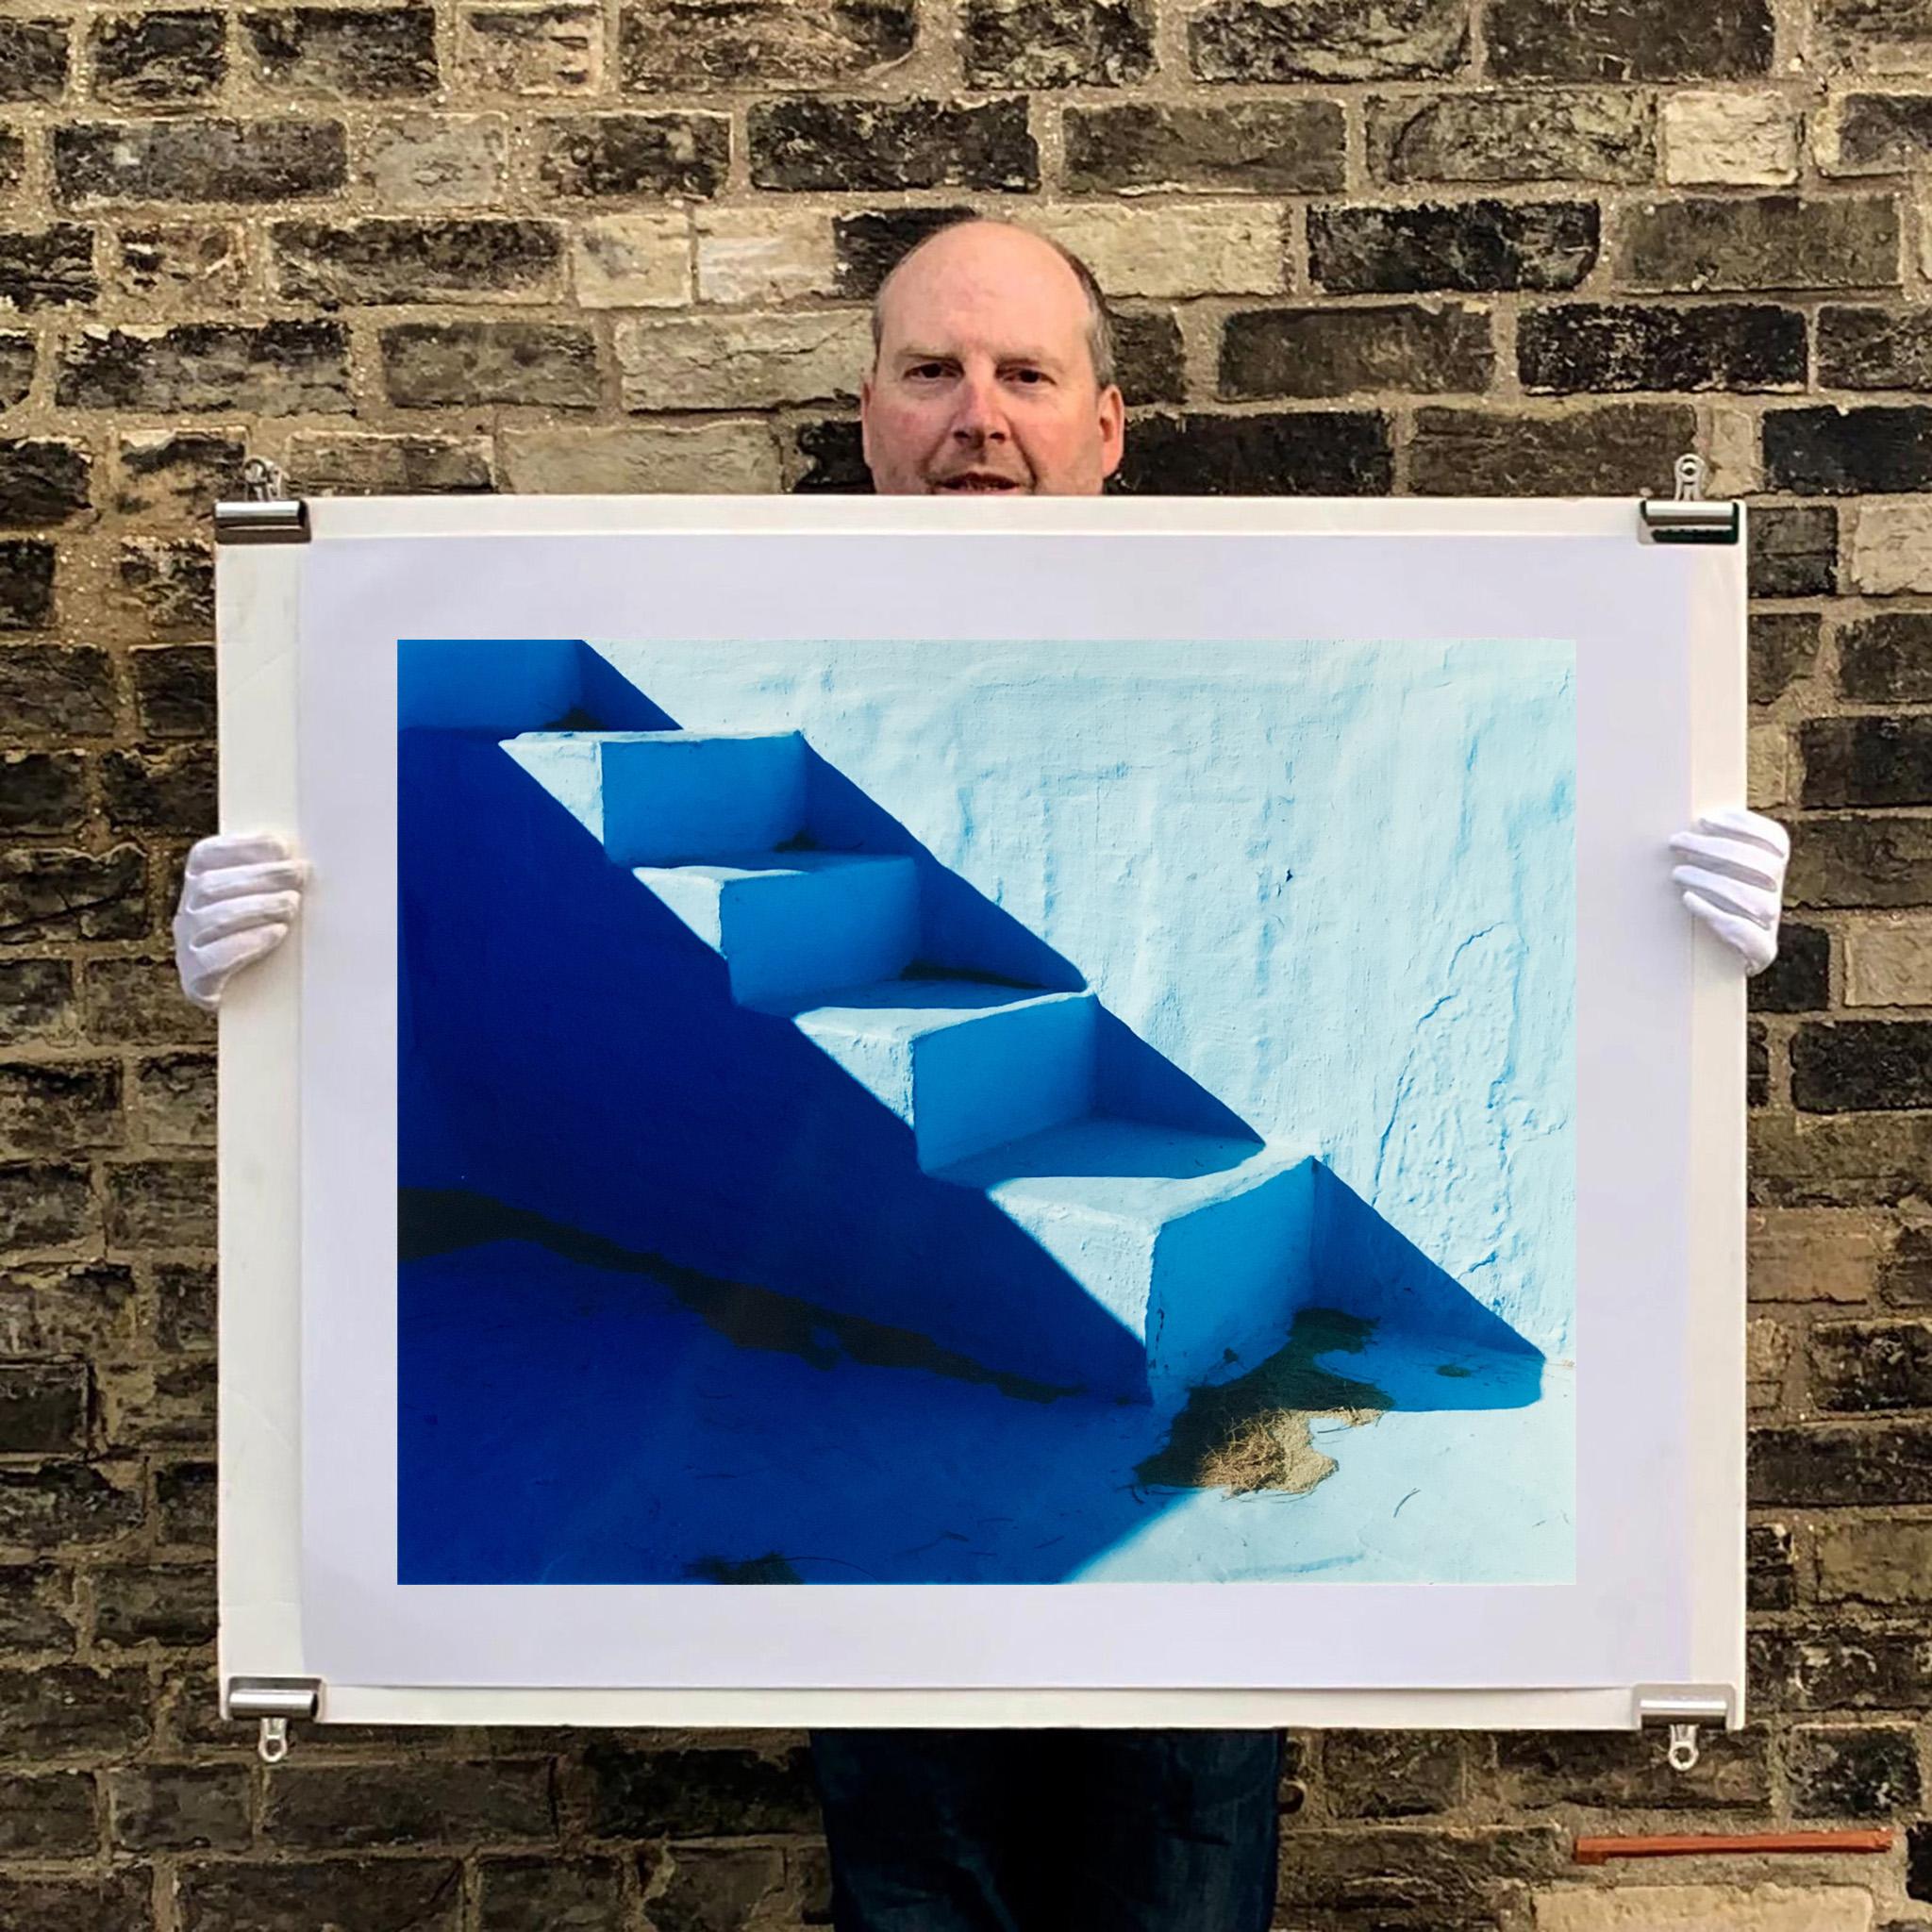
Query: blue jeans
[{"x": 1050, "y": 1831}]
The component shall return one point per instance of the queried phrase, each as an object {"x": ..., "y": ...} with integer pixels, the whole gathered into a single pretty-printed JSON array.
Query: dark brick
[
  {"x": 835, "y": 462},
  {"x": 274, "y": 369},
  {"x": 62, "y": 1502},
  {"x": 386, "y": 52},
  {"x": 1861, "y": 1670},
  {"x": 1757, "y": 1065},
  {"x": 1882, "y": 134},
  {"x": 368, "y": 1894},
  {"x": 160, "y": 792},
  {"x": 357, "y": 465},
  {"x": 887, "y": 147},
  {"x": 1268, "y": 147},
  {"x": 178, "y": 1807},
  {"x": 42, "y": 481},
  {"x": 1853, "y": 1065},
  {"x": 172, "y": 475},
  {"x": 1393, "y": 1877},
  {"x": 1729, "y": 346},
  {"x": 1040, "y": 44},
  {"x": 1874, "y": 860},
  {"x": 42, "y": 792},
  {"x": 43, "y": 1207},
  {"x": 1320, "y": 40},
  {"x": 185, "y": 1306},
  {"x": 868, "y": 247},
  {"x": 1149, "y": 358},
  {"x": 1472, "y": 246},
  {"x": 139, "y": 1002},
  {"x": 668, "y": 46},
  {"x": 1848, "y": 452},
  {"x": 35, "y": 1607},
  {"x": 1838, "y": 1160},
  {"x": 547, "y": 1895},
  {"x": 1311, "y": 452},
  {"x": 1876, "y": 32},
  {"x": 1867, "y": 761},
  {"x": 12, "y": 161},
  {"x": 1525, "y": 135},
  {"x": 44, "y": 1409},
  {"x": 48, "y": 268},
  {"x": 1629, "y": 40},
  {"x": 1784, "y": 648},
  {"x": 48, "y": 1817},
  {"x": 1863, "y": 1367},
  {"x": 171, "y": 1604},
  {"x": 335, "y": 1807},
  {"x": 36, "y": 1000},
  {"x": 1793, "y": 550},
  {"x": 589, "y": 156},
  {"x": 174, "y": 1100},
  {"x": 51, "y": 892},
  {"x": 1391, "y": 1774},
  {"x": 145, "y": 58},
  {"x": 1904, "y": 1275},
  {"x": 1609, "y": 1769},
  {"x": 184, "y": 1503},
  {"x": 697, "y": 1792},
  {"x": 1825, "y": 1464},
  {"x": 16, "y": 368},
  {"x": 1799, "y": 979},
  {"x": 175, "y": 690},
  {"x": 1887, "y": 658},
  {"x": 33, "y": 59},
  {"x": 158, "y": 1405},
  {"x": 1619, "y": 449},
  {"x": 26, "y": 587},
  {"x": 1771, "y": 1576},
  {"x": 1336, "y": 352},
  {"x": 1870, "y": 1771},
  {"x": 66, "y": 1310},
  {"x": 218, "y": 159},
  {"x": 171, "y": 582},
  {"x": 1709, "y": 243},
  {"x": 712, "y": 1886},
  {"x": 409, "y": 260},
  {"x": 1874, "y": 348},
  {"x": 546, "y": 364},
  {"x": 161, "y": 1204},
  {"x": 1918, "y": 1864},
  {"x": 57, "y": 1106},
  {"x": 47, "y": 691},
  {"x": 117, "y": 1902}
]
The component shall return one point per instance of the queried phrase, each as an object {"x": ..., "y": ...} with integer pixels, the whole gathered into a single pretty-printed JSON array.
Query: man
[{"x": 992, "y": 372}]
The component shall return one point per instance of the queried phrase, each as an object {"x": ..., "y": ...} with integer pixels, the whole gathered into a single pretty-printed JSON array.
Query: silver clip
[
  {"x": 1683, "y": 1751},
  {"x": 261, "y": 480},
  {"x": 1690, "y": 471},
  {"x": 1689, "y": 516},
  {"x": 274, "y": 1742}
]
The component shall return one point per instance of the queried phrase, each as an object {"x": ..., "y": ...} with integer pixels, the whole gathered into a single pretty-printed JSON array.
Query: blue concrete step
[
  {"x": 669, "y": 797},
  {"x": 1198, "y": 1245},
  {"x": 794, "y": 923},
  {"x": 967, "y": 1065}
]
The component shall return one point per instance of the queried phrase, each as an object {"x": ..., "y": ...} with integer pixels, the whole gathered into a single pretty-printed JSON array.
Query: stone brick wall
[{"x": 1424, "y": 246}]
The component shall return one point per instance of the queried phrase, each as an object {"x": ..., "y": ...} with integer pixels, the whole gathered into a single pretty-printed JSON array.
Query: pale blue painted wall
[{"x": 1404, "y": 1003}]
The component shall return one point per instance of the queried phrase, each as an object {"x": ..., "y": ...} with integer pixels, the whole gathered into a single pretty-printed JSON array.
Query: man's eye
[
  {"x": 1033, "y": 376},
  {"x": 927, "y": 369}
]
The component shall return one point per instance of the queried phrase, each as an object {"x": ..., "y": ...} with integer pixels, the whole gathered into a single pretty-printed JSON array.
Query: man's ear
[
  {"x": 865, "y": 419},
  {"x": 1114, "y": 428}
]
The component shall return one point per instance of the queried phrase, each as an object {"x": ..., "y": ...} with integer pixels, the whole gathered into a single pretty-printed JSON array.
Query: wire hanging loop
[
  {"x": 273, "y": 1744},
  {"x": 1689, "y": 472},
  {"x": 1683, "y": 1752},
  {"x": 261, "y": 480}
]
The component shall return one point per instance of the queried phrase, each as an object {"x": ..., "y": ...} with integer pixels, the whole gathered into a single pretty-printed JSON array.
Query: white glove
[
  {"x": 238, "y": 898},
  {"x": 1735, "y": 881}
]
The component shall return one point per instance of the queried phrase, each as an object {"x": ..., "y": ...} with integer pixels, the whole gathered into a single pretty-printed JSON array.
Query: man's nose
[{"x": 978, "y": 417}]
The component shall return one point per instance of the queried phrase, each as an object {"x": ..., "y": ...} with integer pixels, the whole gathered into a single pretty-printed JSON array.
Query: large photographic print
[{"x": 992, "y": 1112}]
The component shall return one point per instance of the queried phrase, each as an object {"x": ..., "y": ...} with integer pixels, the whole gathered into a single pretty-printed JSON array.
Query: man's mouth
[{"x": 974, "y": 481}]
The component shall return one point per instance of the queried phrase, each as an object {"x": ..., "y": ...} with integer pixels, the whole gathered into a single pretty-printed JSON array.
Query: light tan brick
[
  {"x": 1813, "y": 1254},
  {"x": 751, "y": 255},
  {"x": 1767, "y": 1354},
  {"x": 1891, "y": 550},
  {"x": 1888, "y": 965},
  {"x": 1737, "y": 462},
  {"x": 554, "y": 49},
  {"x": 1768, "y": 775},
  {"x": 1738, "y": 139},
  {"x": 1201, "y": 249},
  {"x": 437, "y": 161},
  {"x": 1705, "y": 1908},
  {"x": 632, "y": 261},
  {"x": 1887, "y": 1564},
  {"x": 710, "y": 458},
  {"x": 737, "y": 363}
]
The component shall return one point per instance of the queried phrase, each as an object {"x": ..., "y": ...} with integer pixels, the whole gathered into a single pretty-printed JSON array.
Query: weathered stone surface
[
  {"x": 1727, "y": 345},
  {"x": 184, "y": 1306},
  {"x": 33, "y": 59},
  {"x": 50, "y": 691},
  {"x": 1880, "y": 34},
  {"x": 409, "y": 259},
  {"x": 1886, "y": 1563},
  {"x": 274, "y": 369},
  {"x": 119, "y": 1902},
  {"x": 1849, "y": 452},
  {"x": 1862, "y": 1368},
  {"x": 1757, "y": 1065},
  {"x": 1874, "y": 134},
  {"x": 184, "y": 1504},
  {"x": 44, "y": 1408},
  {"x": 1838, "y": 1160},
  {"x": 702, "y": 1885},
  {"x": 370, "y": 1894},
  {"x": 531, "y": 50},
  {"x": 639, "y": 260},
  {"x": 74, "y": 1309},
  {"x": 1763, "y": 241},
  {"x": 50, "y": 892},
  {"x": 749, "y": 257},
  {"x": 1770, "y": 1570},
  {"x": 1730, "y": 140},
  {"x": 712, "y": 458},
  {"x": 174, "y": 1100},
  {"x": 17, "y": 360},
  {"x": 1867, "y": 1771},
  {"x": 12, "y": 160},
  {"x": 178, "y": 1807},
  {"x": 668, "y": 46},
  {"x": 1388, "y": 1875},
  {"x": 1705, "y": 1908},
  {"x": 885, "y": 146},
  {"x": 36, "y": 1001},
  {"x": 435, "y": 160},
  {"x": 1793, "y": 550},
  {"x": 1268, "y": 147},
  {"x": 1568, "y": 135},
  {"x": 350, "y": 53},
  {"x": 215, "y": 160},
  {"x": 833, "y": 464},
  {"x": 169, "y": 581},
  {"x": 1334, "y": 352},
  {"x": 138, "y": 1002},
  {"x": 1799, "y": 979},
  {"x": 1041, "y": 44},
  {"x": 51, "y": 1816},
  {"x": 1232, "y": 248},
  {"x": 1891, "y": 548},
  {"x": 42, "y": 480},
  {"x": 1150, "y": 363},
  {"x": 343, "y": 464},
  {"x": 160, "y": 1203},
  {"x": 1825, "y": 1464},
  {"x": 55, "y": 1107},
  {"x": 604, "y": 156},
  {"x": 26, "y": 587},
  {"x": 203, "y": 264},
  {"x": 741, "y": 361},
  {"x": 42, "y": 792},
  {"x": 697, "y": 1792},
  {"x": 1327, "y": 39},
  {"x": 868, "y": 247},
  {"x": 1875, "y": 348},
  {"x": 1628, "y": 40},
  {"x": 1888, "y": 965},
  {"x": 1305, "y": 452},
  {"x": 343, "y": 1807},
  {"x": 45, "y": 1508},
  {"x": 1867, "y": 761},
  {"x": 549, "y": 364},
  {"x": 1472, "y": 246},
  {"x": 1392, "y": 1774},
  {"x": 160, "y": 792},
  {"x": 547, "y": 1895},
  {"x": 174, "y": 475},
  {"x": 48, "y": 268},
  {"x": 170, "y": 1603},
  {"x": 1538, "y": 1769},
  {"x": 1619, "y": 449},
  {"x": 1784, "y": 649},
  {"x": 1862, "y": 1065},
  {"x": 43, "y": 1207},
  {"x": 37, "y": 1609},
  {"x": 169, "y": 58}
]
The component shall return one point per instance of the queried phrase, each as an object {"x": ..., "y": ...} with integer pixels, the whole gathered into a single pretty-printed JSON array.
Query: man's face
[{"x": 984, "y": 381}]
